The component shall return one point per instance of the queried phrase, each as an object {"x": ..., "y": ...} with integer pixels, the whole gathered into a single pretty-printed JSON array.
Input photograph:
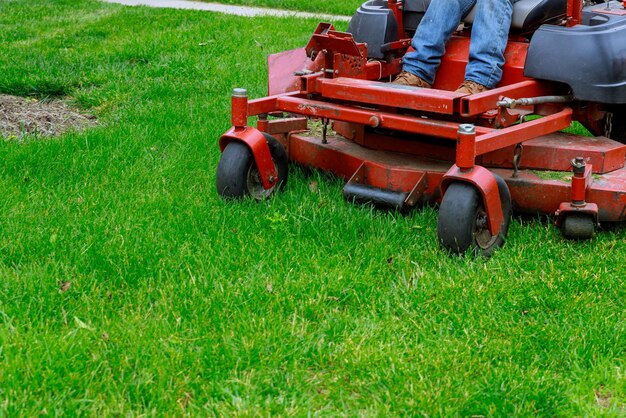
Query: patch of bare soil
[{"x": 21, "y": 116}]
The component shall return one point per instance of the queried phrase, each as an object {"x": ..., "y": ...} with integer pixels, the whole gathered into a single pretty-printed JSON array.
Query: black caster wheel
[
  {"x": 462, "y": 223},
  {"x": 577, "y": 226},
  {"x": 237, "y": 175}
]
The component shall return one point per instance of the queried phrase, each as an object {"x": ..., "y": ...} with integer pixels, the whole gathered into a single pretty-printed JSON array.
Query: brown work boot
[
  {"x": 471, "y": 87},
  {"x": 406, "y": 78}
]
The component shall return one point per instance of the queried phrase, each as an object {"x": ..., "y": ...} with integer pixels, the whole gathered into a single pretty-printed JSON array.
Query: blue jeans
[{"x": 489, "y": 37}]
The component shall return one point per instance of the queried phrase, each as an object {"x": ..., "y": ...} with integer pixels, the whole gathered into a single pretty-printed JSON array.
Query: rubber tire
[
  {"x": 458, "y": 211},
  {"x": 231, "y": 179},
  {"x": 577, "y": 226}
]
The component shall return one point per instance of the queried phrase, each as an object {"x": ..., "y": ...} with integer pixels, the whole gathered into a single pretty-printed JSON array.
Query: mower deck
[{"x": 418, "y": 178}]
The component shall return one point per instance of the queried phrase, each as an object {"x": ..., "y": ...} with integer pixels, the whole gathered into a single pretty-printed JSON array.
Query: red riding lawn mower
[{"x": 478, "y": 156}]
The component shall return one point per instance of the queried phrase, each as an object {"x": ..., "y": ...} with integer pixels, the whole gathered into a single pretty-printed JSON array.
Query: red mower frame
[{"x": 406, "y": 146}]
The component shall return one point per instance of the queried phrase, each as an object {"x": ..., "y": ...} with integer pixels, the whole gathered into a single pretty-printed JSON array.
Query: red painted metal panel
[
  {"x": 376, "y": 119},
  {"x": 283, "y": 126},
  {"x": 425, "y": 148},
  {"x": 266, "y": 105},
  {"x": 554, "y": 151},
  {"x": 282, "y": 68},
  {"x": 523, "y": 132},
  {"x": 476, "y": 104},
  {"x": 335, "y": 41},
  {"x": 343, "y": 158},
  {"x": 452, "y": 69},
  {"x": 263, "y": 105},
  {"x": 534, "y": 195},
  {"x": 382, "y": 176},
  {"x": 557, "y": 150},
  {"x": 531, "y": 193},
  {"x": 389, "y": 94}
]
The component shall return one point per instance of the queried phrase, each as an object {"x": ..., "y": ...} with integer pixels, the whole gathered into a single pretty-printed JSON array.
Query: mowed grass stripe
[{"x": 181, "y": 303}]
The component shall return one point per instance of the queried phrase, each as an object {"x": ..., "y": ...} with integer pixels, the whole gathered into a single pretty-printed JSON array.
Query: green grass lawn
[
  {"x": 346, "y": 8},
  {"x": 180, "y": 303}
]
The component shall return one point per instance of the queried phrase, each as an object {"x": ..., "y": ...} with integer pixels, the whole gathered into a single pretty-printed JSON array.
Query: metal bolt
[
  {"x": 481, "y": 222},
  {"x": 578, "y": 165},
  {"x": 240, "y": 92},
  {"x": 374, "y": 122},
  {"x": 272, "y": 178},
  {"x": 467, "y": 129}
]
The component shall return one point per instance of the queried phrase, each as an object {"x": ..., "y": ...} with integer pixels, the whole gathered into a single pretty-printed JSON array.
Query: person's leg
[
  {"x": 441, "y": 19},
  {"x": 489, "y": 38}
]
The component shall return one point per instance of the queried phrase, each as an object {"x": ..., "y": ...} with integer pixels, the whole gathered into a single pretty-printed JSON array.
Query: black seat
[
  {"x": 375, "y": 24},
  {"x": 527, "y": 14},
  {"x": 530, "y": 14}
]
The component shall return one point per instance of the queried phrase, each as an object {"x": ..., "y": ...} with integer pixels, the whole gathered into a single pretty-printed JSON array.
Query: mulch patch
[{"x": 21, "y": 116}]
